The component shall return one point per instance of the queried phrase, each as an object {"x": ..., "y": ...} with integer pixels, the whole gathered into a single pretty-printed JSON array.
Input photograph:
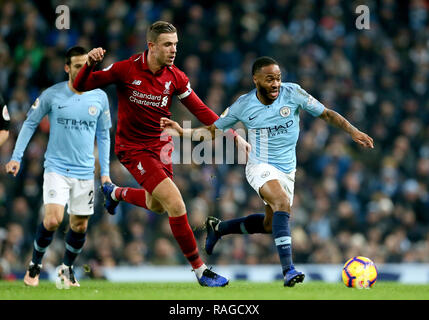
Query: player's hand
[
  {"x": 12, "y": 167},
  {"x": 171, "y": 127},
  {"x": 95, "y": 56},
  {"x": 105, "y": 179},
  {"x": 362, "y": 139},
  {"x": 242, "y": 146}
]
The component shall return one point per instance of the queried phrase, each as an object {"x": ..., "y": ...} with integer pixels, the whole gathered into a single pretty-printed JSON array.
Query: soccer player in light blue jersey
[
  {"x": 271, "y": 114},
  {"x": 76, "y": 119}
]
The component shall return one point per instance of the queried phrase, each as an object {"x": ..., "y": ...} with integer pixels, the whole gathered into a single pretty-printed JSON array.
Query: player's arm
[
  {"x": 337, "y": 120},
  {"x": 317, "y": 109},
  {"x": 88, "y": 79},
  {"x": 103, "y": 144},
  {"x": 223, "y": 124},
  {"x": 174, "y": 129},
  {"x": 207, "y": 116},
  {"x": 37, "y": 111},
  {"x": 102, "y": 134}
]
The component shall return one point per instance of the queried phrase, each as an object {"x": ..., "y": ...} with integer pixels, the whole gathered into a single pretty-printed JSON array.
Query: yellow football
[{"x": 359, "y": 272}]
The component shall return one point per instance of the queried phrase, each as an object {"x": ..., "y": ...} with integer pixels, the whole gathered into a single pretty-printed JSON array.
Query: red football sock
[
  {"x": 132, "y": 195},
  {"x": 185, "y": 237}
]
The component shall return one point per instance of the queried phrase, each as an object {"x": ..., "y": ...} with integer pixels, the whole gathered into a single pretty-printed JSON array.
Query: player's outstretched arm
[
  {"x": 95, "y": 55},
  {"x": 87, "y": 79},
  {"x": 173, "y": 128},
  {"x": 337, "y": 120}
]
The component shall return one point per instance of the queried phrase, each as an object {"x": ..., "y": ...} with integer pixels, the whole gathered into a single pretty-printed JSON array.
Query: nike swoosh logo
[
  {"x": 61, "y": 107},
  {"x": 252, "y": 118}
]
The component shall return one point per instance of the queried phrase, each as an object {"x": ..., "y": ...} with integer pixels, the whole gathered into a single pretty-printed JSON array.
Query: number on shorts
[{"x": 91, "y": 197}]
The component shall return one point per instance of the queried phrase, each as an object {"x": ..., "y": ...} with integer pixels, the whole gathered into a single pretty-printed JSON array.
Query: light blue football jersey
[
  {"x": 75, "y": 120},
  {"x": 273, "y": 129}
]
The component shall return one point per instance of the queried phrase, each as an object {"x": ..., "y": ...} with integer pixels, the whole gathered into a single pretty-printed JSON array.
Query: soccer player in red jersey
[{"x": 146, "y": 83}]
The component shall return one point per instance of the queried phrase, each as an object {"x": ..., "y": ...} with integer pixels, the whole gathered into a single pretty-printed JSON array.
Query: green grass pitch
[{"x": 236, "y": 290}]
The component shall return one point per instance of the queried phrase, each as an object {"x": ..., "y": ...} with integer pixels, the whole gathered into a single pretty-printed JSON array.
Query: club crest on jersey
[
  {"x": 92, "y": 110},
  {"x": 285, "y": 111},
  {"x": 167, "y": 87}
]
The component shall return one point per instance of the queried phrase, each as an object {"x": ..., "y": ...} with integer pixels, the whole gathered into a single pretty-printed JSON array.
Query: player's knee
[
  {"x": 155, "y": 206},
  {"x": 51, "y": 223},
  {"x": 175, "y": 207},
  {"x": 281, "y": 203},
  {"x": 79, "y": 227}
]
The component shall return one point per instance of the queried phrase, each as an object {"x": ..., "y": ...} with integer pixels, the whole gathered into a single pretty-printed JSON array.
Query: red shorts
[{"x": 149, "y": 165}]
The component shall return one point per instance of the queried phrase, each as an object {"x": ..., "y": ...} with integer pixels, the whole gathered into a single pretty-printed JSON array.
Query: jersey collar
[{"x": 145, "y": 66}]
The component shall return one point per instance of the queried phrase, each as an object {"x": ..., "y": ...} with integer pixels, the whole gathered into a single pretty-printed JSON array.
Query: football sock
[
  {"x": 282, "y": 239},
  {"x": 184, "y": 236},
  {"x": 253, "y": 223},
  {"x": 74, "y": 245},
  {"x": 41, "y": 242},
  {"x": 130, "y": 195}
]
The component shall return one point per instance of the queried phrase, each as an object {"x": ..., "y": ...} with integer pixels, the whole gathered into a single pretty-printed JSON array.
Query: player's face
[
  {"x": 268, "y": 80},
  {"x": 165, "y": 48},
  {"x": 76, "y": 64}
]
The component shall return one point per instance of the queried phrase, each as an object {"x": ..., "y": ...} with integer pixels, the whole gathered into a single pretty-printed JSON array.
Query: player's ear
[
  {"x": 150, "y": 45},
  {"x": 66, "y": 68},
  {"x": 255, "y": 80}
]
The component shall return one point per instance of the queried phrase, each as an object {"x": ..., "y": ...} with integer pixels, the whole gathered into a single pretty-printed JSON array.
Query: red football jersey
[{"x": 143, "y": 98}]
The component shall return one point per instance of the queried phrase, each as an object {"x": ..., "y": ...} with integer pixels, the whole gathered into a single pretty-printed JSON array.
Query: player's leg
[
  {"x": 137, "y": 197},
  {"x": 44, "y": 235},
  {"x": 161, "y": 194},
  {"x": 254, "y": 223},
  {"x": 55, "y": 196},
  {"x": 148, "y": 171},
  {"x": 275, "y": 195},
  {"x": 256, "y": 175},
  {"x": 74, "y": 242},
  {"x": 81, "y": 207},
  {"x": 168, "y": 195}
]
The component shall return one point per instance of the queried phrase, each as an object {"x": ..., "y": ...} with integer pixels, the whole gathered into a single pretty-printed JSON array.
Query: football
[{"x": 359, "y": 272}]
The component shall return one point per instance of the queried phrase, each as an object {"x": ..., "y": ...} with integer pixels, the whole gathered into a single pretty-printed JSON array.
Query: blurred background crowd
[{"x": 348, "y": 201}]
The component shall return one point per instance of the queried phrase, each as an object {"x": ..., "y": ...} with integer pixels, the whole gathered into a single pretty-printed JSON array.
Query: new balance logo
[{"x": 137, "y": 82}]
